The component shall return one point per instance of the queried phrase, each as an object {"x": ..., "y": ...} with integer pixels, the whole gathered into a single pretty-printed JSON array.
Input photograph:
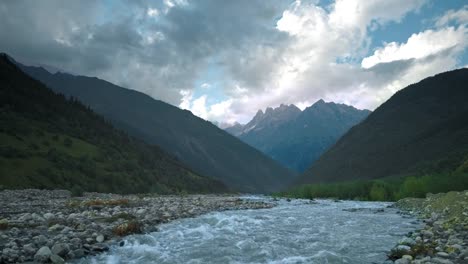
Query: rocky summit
[{"x": 51, "y": 226}]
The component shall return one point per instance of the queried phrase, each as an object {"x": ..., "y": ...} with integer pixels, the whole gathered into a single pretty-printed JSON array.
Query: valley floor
[{"x": 52, "y": 226}]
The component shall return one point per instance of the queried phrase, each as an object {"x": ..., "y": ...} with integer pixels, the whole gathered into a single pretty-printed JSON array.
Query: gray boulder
[
  {"x": 56, "y": 259},
  {"x": 61, "y": 249},
  {"x": 43, "y": 254}
]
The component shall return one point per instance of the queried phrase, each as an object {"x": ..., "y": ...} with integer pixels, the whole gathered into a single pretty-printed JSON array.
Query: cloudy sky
[{"x": 224, "y": 60}]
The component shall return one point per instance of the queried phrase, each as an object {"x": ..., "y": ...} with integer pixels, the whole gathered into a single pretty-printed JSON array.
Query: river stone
[
  {"x": 427, "y": 233},
  {"x": 37, "y": 217},
  {"x": 48, "y": 216},
  {"x": 25, "y": 217},
  {"x": 407, "y": 241},
  {"x": 29, "y": 248},
  {"x": 401, "y": 250},
  {"x": 10, "y": 253},
  {"x": 456, "y": 248},
  {"x": 56, "y": 259},
  {"x": 100, "y": 238},
  {"x": 43, "y": 254},
  {"x": 61, "y": 249},
  {"x": 78, "y": 253},
  {"x": 76, "y": 241},
  {"x": 402, "y": 261},
  {"x": 56, "y": 227},
  {"x": 99, "y": 248},
  {"x": 464, "y": 254},
  {"x": 441, "y": 261},
  {"x": 442, "y": 254},
  {"x": 40, "y": 240}
]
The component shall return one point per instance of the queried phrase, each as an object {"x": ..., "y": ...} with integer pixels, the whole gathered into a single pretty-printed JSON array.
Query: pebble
[
  {"x": 442, "y": 254},
  {"x": 100, "y": 238}
]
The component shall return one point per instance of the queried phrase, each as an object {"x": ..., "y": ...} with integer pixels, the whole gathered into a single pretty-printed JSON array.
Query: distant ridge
[{"x": 297, "y": 138}]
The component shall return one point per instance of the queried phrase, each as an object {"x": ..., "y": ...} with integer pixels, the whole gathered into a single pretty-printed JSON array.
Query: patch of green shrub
[{"x": 387, "y": 189}]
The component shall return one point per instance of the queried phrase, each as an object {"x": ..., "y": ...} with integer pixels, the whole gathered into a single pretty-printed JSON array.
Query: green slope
[{"x": 47, "y": 141}]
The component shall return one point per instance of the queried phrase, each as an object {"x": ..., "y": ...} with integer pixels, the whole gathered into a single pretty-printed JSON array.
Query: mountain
[
  {"x": 47, "y": 141},
  {"x": 235, "y": 129},
  {"x": 421, "y": 129},
  {"x": 201, "y": 145},
  {"x": 297, "y": 138}
]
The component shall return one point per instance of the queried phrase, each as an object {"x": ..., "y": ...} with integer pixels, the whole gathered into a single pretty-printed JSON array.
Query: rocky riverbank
[
  {"x": 444, "y": 236},
  {"x": 51, "y": 226}
]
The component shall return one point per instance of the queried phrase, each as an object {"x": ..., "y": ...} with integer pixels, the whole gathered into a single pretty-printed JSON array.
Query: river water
[{"x": 293, "y": 232}]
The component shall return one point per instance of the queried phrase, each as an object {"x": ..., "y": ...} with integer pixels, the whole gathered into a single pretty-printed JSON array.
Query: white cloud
[
  {"x": 419, "y": 46},
  {"x": 219, "y": 112},
  {"x": 185, "y": 102},
  {"x": 457, "y": 16},
  {"x": 199, "y": 107},
  {"x": 152, "y": 12},
  {"x": 205, "y": 85},
  {"x": 173, "y": 3}
]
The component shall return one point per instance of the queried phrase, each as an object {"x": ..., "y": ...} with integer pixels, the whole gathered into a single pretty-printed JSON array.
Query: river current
[{"x": 324, "y": 231}]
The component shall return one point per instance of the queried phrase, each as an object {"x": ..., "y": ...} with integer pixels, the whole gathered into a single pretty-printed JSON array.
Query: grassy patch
[
  {"x": 131, "y": 227},
  {"x": 4, "y": 224}
]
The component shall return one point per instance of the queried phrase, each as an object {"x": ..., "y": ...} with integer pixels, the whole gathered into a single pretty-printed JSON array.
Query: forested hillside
[
  {"x": 205, "y": 148},
  {"x": 422, "y": 129},
  {"x": 48, "y": 141}
]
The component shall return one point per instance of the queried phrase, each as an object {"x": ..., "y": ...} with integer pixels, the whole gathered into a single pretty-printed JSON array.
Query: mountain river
[{"x": 293, "y": 232}]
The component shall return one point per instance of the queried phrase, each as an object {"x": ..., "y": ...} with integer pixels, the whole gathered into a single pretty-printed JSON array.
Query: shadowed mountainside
[
  {"x": 201, "y": 145},
  {"x": 421, "y": 129},
  {"x": 48, "y": 141}
]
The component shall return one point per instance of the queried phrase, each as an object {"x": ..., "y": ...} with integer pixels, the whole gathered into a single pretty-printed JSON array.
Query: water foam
[{"x": 295, "y": 232}]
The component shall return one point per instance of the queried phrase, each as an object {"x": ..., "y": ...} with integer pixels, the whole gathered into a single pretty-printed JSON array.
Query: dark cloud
[{"x": 109, "y": 41}]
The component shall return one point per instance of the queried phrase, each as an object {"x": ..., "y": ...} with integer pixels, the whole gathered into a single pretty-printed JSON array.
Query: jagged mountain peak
[
  {"x": 322, "y": 107},
  {"x": 273, "y": 117},
  {"x": 294, "y": 137}
]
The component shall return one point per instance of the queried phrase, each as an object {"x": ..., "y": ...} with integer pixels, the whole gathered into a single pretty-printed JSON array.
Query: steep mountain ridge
[{"x": 201, "y": 145}]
